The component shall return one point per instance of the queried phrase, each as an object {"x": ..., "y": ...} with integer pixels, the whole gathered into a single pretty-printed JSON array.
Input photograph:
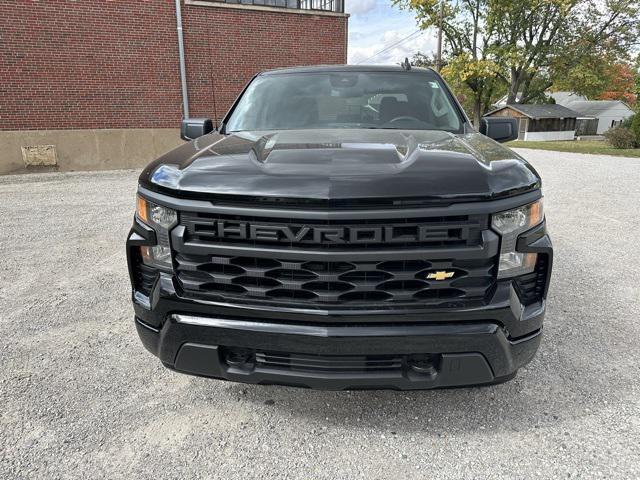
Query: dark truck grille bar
[
  {"x": 445, "y": 231},
  {"x": 328, "y": 363},
  {"x": 322, "y": 263}
]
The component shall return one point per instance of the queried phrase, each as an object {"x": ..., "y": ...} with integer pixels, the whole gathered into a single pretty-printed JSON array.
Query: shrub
[
  {"x": 635, "y": 127},
  {"x": 620, "y": 137},
  {"x": 626, "y": 123}
]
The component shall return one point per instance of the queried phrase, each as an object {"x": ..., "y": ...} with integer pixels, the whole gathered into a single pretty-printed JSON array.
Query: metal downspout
[{"x": 183, "y": 70}]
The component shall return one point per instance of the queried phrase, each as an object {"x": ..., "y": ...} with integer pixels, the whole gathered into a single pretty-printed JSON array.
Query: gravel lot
[{"x": 80, "y": 397}]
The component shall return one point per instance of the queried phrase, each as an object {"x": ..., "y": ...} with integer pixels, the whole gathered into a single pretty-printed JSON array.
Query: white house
[
  {"x": 608, "y": 112},
  {"x": 540, "y": 122}
]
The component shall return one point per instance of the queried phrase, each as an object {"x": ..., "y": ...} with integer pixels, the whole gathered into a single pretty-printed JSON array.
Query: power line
[{"x": 390, "y": 46}]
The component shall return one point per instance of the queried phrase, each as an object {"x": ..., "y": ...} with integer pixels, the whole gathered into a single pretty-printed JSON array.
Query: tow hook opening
[
  {"x": 426, "y": 365},
  {"x": 240, "y": 358}
]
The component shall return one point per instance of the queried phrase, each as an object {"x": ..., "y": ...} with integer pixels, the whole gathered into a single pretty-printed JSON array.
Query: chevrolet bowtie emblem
[{"x": 440, "y": 275}]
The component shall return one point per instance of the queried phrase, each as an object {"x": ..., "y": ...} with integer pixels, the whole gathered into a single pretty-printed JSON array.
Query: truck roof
[{"x": 345, "y": 68}]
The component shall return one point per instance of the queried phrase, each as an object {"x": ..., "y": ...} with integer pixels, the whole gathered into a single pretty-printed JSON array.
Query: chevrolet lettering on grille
[{"x": 333, "y": 234}]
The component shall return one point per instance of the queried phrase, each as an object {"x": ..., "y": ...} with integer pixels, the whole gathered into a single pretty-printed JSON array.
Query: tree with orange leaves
[{"x": 622, "y": 84}]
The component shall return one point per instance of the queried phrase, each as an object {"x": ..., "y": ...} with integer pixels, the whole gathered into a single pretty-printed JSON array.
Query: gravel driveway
[{"x": 80, "y": 397}]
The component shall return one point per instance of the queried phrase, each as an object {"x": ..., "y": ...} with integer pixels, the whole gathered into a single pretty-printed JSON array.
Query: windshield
[{"x": 394, "y": 100}]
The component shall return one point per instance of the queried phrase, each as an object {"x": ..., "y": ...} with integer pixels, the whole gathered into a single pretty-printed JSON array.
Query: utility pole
[
  {"x": 183, "y": 71},
  {"x": 439, "y": 54}
]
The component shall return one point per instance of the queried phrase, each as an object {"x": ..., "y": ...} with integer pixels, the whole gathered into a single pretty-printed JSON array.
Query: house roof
[
  {"x": 564, "y": 98},
  {"x": 536, "y": 112},
  {"x": 595, "y": 108},
  {"x": 560, "y": 98}
]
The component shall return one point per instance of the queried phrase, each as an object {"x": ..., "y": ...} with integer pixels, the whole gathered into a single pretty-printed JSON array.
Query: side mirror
[
  {"x": 501, "y": 129},
  {"x": 195, "y": 127}
]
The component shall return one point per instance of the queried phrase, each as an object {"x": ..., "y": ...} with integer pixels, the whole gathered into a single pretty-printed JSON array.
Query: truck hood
[{"x": 342, "y": 164}]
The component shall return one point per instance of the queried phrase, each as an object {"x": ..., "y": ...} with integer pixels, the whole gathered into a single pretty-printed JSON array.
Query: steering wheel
[{"x": 403, "y": 117}]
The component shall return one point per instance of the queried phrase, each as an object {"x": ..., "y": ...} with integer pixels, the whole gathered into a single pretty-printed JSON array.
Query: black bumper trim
[
  {"x": 454, "y": 370},
  {"x": 488, "y": 355},
  {"x": 336, "y": 331}
]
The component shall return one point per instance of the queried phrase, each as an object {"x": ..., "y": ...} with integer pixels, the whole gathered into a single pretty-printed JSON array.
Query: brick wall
[{"x": 114, "y": 64}]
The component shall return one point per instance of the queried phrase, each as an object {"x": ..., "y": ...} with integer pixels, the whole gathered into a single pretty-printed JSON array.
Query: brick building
[{"x": 100, "y": 79}]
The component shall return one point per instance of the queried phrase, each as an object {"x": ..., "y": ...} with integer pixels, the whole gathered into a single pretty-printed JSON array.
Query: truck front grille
[
  {"x": 321, "y": 283},
  {"x": 360, "y": 262}
]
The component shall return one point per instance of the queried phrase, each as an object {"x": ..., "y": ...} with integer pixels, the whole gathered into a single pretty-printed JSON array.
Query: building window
[{"x": 319, "y": 5}]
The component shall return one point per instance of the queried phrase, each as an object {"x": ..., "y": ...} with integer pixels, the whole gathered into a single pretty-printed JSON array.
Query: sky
[{"x": 375, "y": 25}]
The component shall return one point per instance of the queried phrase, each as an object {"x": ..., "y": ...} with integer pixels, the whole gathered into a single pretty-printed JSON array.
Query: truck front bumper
[{"x": 344, "y": 357}]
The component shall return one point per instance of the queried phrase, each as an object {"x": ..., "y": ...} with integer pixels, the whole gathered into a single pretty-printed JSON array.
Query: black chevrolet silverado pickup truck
[{"x": 344, "y": 227}]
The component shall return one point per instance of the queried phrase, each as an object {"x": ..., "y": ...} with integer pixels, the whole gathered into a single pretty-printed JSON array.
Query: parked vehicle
[{"x": 343, "y": 227}]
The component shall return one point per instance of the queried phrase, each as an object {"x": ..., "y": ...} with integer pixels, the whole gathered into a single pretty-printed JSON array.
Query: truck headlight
[
  {"x": 510, "y": 224},
  {"x": 161, "y": 219}
]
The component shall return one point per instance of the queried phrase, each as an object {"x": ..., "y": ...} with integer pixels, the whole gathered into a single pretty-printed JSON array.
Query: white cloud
[
  {"x": 376, "y": 25},
  {"x": 358, "y": 7},
  {"x": 364, "y": 49}
]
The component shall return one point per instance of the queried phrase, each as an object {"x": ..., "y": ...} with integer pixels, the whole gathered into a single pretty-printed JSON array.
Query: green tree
[
  {"x": 588, "y": 75},
  {"x": 472, "y": 68},
  {"x": 542, "y": 40},
  {"x": 528, "y": 32},
  {"x": 458, "y": 72},
  {"x": 421, "y": 60},
  {"x": 477, "y": 81},
  {"x": 528, "y": 43}
]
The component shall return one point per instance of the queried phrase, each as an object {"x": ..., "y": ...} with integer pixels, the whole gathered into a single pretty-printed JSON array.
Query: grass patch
[{"x": 599, "y": 148}]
